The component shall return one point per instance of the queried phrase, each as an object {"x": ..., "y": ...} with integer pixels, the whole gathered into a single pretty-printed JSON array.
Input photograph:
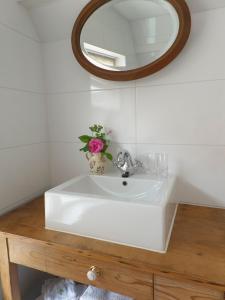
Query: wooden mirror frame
[{"x": 184, "y": 31}]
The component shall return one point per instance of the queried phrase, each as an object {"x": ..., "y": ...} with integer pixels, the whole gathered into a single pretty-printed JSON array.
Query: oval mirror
[{"x": 130, "y": 39}]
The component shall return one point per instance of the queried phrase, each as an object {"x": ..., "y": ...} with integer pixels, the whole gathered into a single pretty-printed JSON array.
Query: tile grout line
[
  {"x": 23, "y": 145},
  {"x": 22, "y": 90},
  {"x": 141, "y": 143},
  {"x": 135, "y": 120},
  {"x": 19, "y": 32},
  {"x": 207, "y": 10},
  {"x": 88, "y": 90},
  {"x": 134, "y": 86},
  {"x": 48, "y": 138},
  {"x": 181, "y": 82},
  {"x": 47, "y": 114}
]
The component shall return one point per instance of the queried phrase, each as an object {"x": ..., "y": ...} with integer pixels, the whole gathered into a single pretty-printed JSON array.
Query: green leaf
[
  {"x": 85, "y": 148},
  {"x": 92, "y": 128},
  {"x": 96, "y": 128},
  {"x": 105, "y": 148},
  {"x": 99, "y": 128},
  {"x": 85, "y": 138},
  {"x": 101, "y": 136},
  {"x": 108, "y": 155}
]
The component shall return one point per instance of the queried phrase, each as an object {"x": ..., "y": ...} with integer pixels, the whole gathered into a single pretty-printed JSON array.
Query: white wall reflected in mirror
[{"x": 140, "y": 31}]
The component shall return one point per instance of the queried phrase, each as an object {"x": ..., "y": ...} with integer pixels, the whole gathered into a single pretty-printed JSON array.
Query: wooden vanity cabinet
[
  {"x": 194, "y": 257},
  {"x": 69, "y": 263},
  {"x": 170, "y": 289}
]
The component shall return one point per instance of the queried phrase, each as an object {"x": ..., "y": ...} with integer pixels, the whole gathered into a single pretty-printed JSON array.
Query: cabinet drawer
[
  {"x": 112, "y": 276},
  {"x": 74, "y": 264},
  {"x": 169, "y": 289}
]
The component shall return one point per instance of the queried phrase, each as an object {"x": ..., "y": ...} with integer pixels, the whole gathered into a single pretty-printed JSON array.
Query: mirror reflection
[{"x": 128, "y": 34}]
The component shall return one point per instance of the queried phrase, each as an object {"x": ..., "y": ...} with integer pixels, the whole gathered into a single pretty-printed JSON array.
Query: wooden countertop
[{"x": 196, "y": 251}]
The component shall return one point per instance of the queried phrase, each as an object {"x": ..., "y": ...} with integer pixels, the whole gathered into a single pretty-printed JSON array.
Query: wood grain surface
[
  {"x": 74, "y": 264},
  {"x": 196, "y": 251},
  {"x": 8, "y": 274},
  {"x": 170, "y": 289}
]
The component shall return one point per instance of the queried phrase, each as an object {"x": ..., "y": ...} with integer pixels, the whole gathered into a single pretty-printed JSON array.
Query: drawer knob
[{"x": 93, "y": 273}]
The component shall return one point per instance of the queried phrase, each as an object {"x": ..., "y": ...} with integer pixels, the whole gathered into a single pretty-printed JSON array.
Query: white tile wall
[
  {"x": 24, "y": 173},
  {"x": 22, "y": 118},
  {"x": 23, "y": 114},
  {"x": 20, "y": 61},
  {"x": 191, "y": 113},
  {"x": 66, "y": 161},
  {"x": 70, "y": 115},
  {"x": 179, "y": 110}
]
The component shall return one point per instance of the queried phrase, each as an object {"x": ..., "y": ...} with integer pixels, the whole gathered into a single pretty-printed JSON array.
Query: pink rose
[{"x": 95, "y": 145}]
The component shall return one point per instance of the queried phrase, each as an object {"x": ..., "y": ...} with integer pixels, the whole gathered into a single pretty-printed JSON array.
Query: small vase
[{"x": 96, "y": 163}]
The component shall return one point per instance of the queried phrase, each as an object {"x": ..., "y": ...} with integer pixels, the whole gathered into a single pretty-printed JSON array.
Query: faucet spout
[{"x": 125, "y": 164}]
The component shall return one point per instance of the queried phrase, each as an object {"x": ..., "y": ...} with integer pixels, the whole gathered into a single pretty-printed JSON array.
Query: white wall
[
  {"x": 179, "y": 110},
  {"x": 23, "y": 131}
]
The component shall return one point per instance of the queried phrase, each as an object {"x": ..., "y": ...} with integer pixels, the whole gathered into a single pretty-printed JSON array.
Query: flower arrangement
[{"x": 96, "y": 143}]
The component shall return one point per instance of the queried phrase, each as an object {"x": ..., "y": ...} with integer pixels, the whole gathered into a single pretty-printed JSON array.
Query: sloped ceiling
[
  {"x": 195, "y": 5},
  {"x": 201, "y": 5},
  {"x": 33, "y": 3},
  {"x": 54, "y": 19}
]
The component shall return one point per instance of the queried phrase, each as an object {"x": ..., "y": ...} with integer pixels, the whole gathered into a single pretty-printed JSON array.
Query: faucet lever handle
[{"x": 120, "y": 156}]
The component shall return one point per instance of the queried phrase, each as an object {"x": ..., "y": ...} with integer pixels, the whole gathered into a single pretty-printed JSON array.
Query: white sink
[{"x": 136, "y": 211}]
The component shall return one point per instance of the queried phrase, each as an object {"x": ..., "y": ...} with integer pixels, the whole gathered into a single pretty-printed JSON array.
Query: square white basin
[{"x": 136, "y": 211}]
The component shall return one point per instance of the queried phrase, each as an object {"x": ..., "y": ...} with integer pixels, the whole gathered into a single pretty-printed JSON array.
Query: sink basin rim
[{"x": 131, "y": 201}]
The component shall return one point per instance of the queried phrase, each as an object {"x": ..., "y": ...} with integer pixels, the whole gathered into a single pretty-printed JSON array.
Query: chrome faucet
[{"x": 125, "y": 164}]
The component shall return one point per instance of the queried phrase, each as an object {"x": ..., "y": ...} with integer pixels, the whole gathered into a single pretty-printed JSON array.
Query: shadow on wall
[
  {"x": 31, "y": 282},
  {"x": 188, "y": 193}
]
